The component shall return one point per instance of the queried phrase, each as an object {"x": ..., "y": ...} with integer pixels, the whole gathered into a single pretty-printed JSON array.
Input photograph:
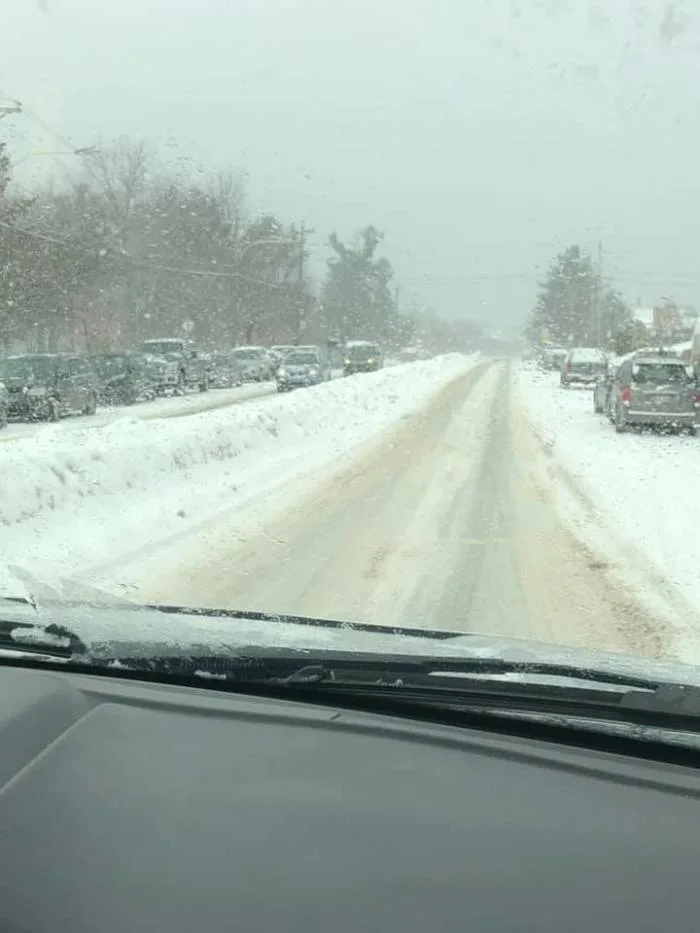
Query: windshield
[
  {"x": 301, "y": 359},
  {"x": 361, "y": 350},
  {"x": 660, "y": 374},
  {"x": 475, "y": 220},
  {"x": 162, "y": 347},
  {"x": 28, "y": 367},
  {"x": 248, "y": 354},
  {"x": 108, "y": 365}
]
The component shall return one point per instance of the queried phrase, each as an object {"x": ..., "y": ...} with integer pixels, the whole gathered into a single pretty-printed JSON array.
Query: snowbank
[
  {"x": 80, "y": 497},
  {"x": 49, "y": 472},
  {"x": 642, "y": 487}
]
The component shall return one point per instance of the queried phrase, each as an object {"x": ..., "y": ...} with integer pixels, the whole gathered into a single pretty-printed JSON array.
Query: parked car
[
  {"x": 305, "y": 366},
  {"x": 281, "y": 350},
  {"x": 192, "y": 367},
  {"x": 225, "y": 371},
  {"x": 4, "y": 405},
  {"x": 602, "y": 391},
  {"x": 125, "y": 377},
  {"x": 654, "y": 390},
  {"x": 361, "y": 356},
  {"x": 257, "y": 363},
  {"x": 552, "y": 357},
  {"x": 583, "y": 366},
  {"x": 44, "y": 387}
]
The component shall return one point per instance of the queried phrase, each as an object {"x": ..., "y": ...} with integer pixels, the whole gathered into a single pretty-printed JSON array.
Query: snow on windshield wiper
[
  {"x": 482, "y": 685},
  {"x": 52, "y": 640}
]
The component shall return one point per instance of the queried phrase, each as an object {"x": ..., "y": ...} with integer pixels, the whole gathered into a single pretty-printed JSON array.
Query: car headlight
[
  {"x": 370, "y": 361},
  {"x": 282, "y": 372},
  {"x": 313, "y": 371},
  {"x": 37, "y": 392},
  {"x": 347, "y": 362}
]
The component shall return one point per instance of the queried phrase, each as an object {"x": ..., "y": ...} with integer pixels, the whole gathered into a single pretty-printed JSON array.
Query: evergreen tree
[
  {"x": 565, "y": 310},
  {"x": 356, "y": 294}
]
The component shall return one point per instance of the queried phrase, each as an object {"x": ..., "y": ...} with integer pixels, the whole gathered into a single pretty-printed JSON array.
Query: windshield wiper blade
[
  {"x": 52, "y": 640},
  {"x": 289, "y": 667},
  {"x": 491, "y": 686}
]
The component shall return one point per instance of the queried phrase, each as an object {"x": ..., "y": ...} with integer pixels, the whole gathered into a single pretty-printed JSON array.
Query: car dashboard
[{"x": 126, "y": 805}]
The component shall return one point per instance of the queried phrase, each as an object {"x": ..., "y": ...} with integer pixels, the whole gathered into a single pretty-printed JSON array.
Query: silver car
[
  {"x": 255, "y": 364},
  {"x": 304, "y": 366},
  {"x": 654, "y": 390},
  {"x": 583, "y": 366}
]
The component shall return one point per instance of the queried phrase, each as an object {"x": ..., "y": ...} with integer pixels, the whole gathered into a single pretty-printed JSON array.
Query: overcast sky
[{"x": 479, "y": 135}]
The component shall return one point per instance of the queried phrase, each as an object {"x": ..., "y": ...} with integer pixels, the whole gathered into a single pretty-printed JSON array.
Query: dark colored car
[
  {"x": 654, "y": 390},
  {"x": 124, "y": 378},
  {"x": 361, "y": 356},
  {"x": 44, "y": 387},
  {"x": 189, "y": 369},
  {"x": 302, "y": 367},
  {"x": 583, "y": 366},
  {"x": 224, "y": 371}
]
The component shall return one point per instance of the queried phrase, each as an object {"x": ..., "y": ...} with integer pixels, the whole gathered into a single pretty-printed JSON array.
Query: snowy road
[
  {"x": 170, "y": 407},
  {"x": 445, "y": 522}
]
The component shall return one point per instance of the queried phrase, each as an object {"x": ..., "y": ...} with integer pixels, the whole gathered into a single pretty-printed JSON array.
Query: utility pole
[
  {"x": 301, "y": 304},
  {"x": 600, "y": 294}
]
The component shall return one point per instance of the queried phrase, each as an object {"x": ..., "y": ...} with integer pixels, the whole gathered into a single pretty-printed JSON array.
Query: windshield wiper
[
  {"x": 52, "y": 640},
  {"x": 488, "y": 685}
]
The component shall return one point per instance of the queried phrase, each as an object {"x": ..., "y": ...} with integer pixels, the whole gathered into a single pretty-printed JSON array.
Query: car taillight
[{"x": 625, "y": 395}]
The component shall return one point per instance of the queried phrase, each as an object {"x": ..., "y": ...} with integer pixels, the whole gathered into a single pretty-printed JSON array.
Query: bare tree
[
  {"x": 229, "y": 191},
  {"x": 121, "y": 173}
]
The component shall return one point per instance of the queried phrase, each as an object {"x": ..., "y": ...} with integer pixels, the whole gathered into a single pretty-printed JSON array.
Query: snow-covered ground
[
  {"x": 77, "y": 502},
  {"x": 633, "y": 497}
]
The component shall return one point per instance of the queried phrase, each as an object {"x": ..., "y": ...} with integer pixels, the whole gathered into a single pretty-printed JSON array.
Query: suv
[
  {"x": 124, "y": 378},
  {"x": 191, "y": 368},
  {"x": 361, "y": 356},
  {"x": 44, "y": 387},
  {"x": 583, "y": 366},
  {"x": 655, "y": 390}
]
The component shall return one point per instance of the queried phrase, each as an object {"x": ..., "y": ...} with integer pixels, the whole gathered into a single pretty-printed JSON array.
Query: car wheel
[
  {"x": 91, "y": 406},
  {"x": 54, "y": 410},
  {"x": 204, "y": 384},
  {"x": 180, "y": 388}
]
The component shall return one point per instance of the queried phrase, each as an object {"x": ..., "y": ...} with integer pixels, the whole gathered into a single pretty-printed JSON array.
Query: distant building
[{"x": 665, "y": 321}]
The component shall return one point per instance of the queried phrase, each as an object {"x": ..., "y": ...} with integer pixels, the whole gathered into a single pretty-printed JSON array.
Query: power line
[{"x": 140, "y": 263}]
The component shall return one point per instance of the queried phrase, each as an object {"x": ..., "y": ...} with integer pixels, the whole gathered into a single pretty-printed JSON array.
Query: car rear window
[{"x": 660, "y": 374}]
